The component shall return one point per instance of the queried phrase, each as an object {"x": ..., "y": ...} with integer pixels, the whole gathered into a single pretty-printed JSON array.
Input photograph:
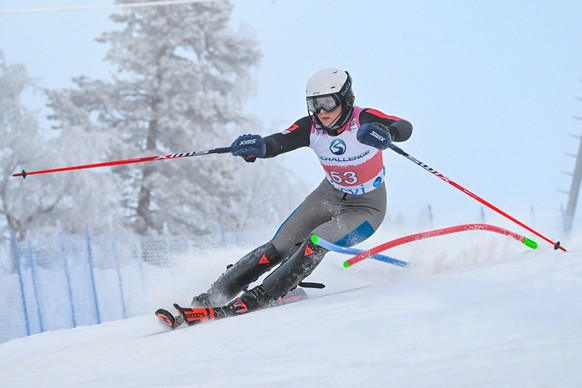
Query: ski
[
  {"x": 195, "y": 315},
  {"x": 168, "y": 319}
]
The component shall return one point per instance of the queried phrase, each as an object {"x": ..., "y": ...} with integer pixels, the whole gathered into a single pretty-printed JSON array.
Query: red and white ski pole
[
  {"x": 473, "y": 195},
  {"x": 222, "y": 150}
]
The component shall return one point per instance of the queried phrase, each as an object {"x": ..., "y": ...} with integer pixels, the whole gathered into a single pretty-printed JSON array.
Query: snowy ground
[{"x": 474, "y": 314}]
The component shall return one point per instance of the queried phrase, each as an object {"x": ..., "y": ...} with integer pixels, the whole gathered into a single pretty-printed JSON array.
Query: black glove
[
  {"x": 249, "y": 147},
  {"x": 375, "y": 135}
]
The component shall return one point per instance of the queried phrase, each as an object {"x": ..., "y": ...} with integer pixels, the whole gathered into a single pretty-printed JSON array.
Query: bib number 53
[{"x": 347, "y": 177}]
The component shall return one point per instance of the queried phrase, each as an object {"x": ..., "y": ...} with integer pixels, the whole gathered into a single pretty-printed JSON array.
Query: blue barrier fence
[{"x": 67, "y": 281}]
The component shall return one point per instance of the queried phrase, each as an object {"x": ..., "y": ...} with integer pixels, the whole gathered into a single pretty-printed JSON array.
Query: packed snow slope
[{"x": 473, "y": 312}]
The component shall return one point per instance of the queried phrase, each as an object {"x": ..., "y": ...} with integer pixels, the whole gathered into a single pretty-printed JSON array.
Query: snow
[{"x": 473, "y": 312}]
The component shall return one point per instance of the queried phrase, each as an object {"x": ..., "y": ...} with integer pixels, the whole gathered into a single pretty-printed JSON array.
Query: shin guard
[
  {"x": 288, "y": 276},
  {"x": 245, "y": 271}
]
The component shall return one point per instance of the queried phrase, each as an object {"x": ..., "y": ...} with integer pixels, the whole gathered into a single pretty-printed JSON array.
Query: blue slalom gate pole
[{"x": 355, "y": 251}]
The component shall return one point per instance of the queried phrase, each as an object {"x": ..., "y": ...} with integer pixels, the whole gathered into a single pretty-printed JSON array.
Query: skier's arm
[
  {"x": 296, "y": 136},
  {"x": 400, "y": 129}
]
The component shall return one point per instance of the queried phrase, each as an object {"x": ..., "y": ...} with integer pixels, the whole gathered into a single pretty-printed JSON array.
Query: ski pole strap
[{"x": 354, "y": 251}]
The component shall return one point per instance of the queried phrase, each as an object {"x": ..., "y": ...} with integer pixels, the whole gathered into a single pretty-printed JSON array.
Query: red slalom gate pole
[
  {"x": 222, "y": 150},
  {"x": 439, "y": 232},
  {"x": 473, "y": 195}
]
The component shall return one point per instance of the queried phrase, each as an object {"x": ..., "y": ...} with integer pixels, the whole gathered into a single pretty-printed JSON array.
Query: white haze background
[{"x": 491, "y": 88}]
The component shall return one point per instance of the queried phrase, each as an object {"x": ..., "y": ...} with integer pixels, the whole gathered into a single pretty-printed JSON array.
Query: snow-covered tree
[
  {"x": 182, "y": 76},
  {"x": 43, "y": 203},
  {"x": 22, "y": 204}
]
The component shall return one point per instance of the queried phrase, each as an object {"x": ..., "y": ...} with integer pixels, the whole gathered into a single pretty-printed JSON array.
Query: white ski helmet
[{"x": 327, "y": 89}]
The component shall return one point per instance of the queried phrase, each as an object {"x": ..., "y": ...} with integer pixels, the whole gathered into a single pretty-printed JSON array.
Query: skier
[{"x": 346, "y": 208}]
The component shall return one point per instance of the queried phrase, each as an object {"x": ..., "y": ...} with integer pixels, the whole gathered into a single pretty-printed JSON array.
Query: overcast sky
[{"x": 491, "y": 87}]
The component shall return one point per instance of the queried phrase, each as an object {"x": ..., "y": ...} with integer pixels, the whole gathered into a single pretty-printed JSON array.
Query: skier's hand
[
  {"x": 249, "y": 147},
  {"x": 375, "y": 135}
]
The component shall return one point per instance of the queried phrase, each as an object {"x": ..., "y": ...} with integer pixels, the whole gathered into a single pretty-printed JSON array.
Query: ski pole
[
  {"x": 472, "y": 195},
  {"x": 222, "y": 150}
]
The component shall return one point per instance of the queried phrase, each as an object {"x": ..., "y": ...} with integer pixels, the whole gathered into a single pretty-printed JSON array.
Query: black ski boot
[
  {"x": 238, "y": 276},
  {"x": 195, "y": 315},
  {"x": 202, "y": 300},
  {"x": 253, "y": 299}
]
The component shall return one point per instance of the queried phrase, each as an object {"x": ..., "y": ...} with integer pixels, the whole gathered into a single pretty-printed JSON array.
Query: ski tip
[
  {"x": 346, "y": 264},
  {"x": 166, "y": 318}
]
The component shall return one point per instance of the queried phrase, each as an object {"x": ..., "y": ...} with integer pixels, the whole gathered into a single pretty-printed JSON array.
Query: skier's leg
[
  {"x": 357, "y": 220},
  {"x": 317, "y": 208},
  {"x": 312, "y": 212},
  {"x": 238, "y": 276},
  {"x": 287, "y": 277}
]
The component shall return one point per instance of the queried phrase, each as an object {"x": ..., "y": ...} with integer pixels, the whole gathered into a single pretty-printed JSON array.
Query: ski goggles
[{"x": 327, "y": 103}]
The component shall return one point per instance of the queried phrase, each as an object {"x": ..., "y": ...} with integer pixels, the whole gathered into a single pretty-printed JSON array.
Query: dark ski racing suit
[{"x": 345, "y": 209}]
